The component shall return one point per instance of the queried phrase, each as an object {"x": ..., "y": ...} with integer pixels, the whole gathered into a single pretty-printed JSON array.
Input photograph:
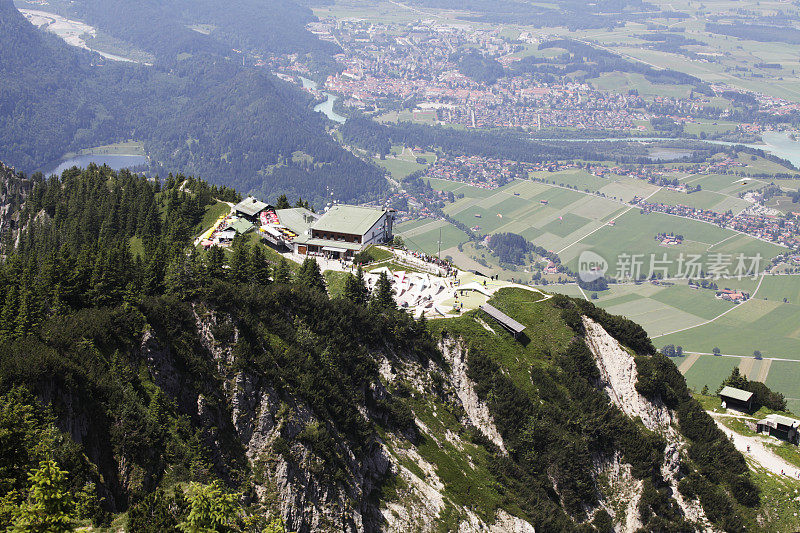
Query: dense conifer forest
[
  {"x": 103, "y": 258},
  {"x": 204, "y": 115}
]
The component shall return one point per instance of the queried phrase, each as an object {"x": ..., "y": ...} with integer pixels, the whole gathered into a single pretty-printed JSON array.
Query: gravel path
[{"x": 758, "y": 452}]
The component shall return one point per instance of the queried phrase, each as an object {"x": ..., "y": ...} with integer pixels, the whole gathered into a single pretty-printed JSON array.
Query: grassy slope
[{"x": 546, "y": 333}]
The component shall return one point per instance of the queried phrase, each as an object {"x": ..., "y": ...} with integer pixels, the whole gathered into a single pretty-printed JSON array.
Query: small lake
[
  {"x": 115, "y": 161},
  {"x": 325, "y": 107}
]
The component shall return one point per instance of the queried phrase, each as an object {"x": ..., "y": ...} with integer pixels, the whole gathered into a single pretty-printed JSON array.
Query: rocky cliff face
[
  {"x": 397, "y": 481},
  {"x": 455, "y": 354},
  {"x": 618, "y": 378},
  {"x": 13, "y": 191},
  {"x": 269, "y": 426}
]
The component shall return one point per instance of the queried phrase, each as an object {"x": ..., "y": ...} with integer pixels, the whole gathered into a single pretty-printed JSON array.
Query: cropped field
[
  {"x": 569, "y": 221},
  {"x": 575, "y": 178},
  {"x": 634, "y": 234},
  {"x": 709, "y": 370},
  {"x": 703, "y": 199},
  {"x": 784, "y": 377},
  {"x": 426, "y": 237},
  {"x": 776, "y": 288},
  {"x": 769, "y": 326}
]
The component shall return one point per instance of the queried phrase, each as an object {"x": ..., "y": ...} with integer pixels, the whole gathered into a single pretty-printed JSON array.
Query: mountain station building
[
  {"x": 249, "y": 209},
  {"x": 341, "y": 232}
]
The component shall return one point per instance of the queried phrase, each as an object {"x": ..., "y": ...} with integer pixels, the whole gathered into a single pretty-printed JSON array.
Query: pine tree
[
  {"x": 282, "y": 202},
  {"x": 354, "y": 288},
  {"x": 210, "y": 509},
  {"x": 310, "y": 276},
  {"x": 9, "y": 314},
  {"x": 58, "y": 307},
  {"x": 28, "y": 313},
  {"x": 240, "y": 261},
  {"x": 173, "y": 278},
  {"x": 283, "y": 274},
  {"x": 215, "y": 261},
  {"x": 49, "y": 507},
  {"x": 258, "y": 266},
  {"x": 382, "y": 296},
  {"x": 154, "y": 272},
  {"x": 130, "y": 298}
]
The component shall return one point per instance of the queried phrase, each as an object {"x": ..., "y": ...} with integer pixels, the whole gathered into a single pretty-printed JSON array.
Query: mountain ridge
[{"x": 169, "y": 367}]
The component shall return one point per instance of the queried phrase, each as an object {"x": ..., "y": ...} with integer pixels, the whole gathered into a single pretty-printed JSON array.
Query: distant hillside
[
  {"x": 168, "y": 381},
  {"x": 205, "y": 115},
  {"x": 164, "y": 28}
]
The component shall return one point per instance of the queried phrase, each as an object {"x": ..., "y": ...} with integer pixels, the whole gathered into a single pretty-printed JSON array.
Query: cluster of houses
[
  {"x": 339, "y": 233},
  {"x": 734, "y": 296},
  {"x": 668, "y": 239},
  {"x": 772, "y": 105},
  {"x": 420, "y": 61},
  {"x": 762, "y": 226},
  {"x": 479, "y": 171}
]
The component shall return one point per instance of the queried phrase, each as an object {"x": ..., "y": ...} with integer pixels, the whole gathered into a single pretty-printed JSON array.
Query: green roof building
[
  {"x": 340, "y": 232},
  {"x": 733, "y": 398},
  {"x": 249, "y": 207},
  {"x": 241, "y": 226}
]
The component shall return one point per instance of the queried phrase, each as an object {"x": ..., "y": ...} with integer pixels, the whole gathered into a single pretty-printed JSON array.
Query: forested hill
[
  {"x": 205, "y": 115},
  {"x": 165, "y": 28},
  {"x": 169, "y": 389}
]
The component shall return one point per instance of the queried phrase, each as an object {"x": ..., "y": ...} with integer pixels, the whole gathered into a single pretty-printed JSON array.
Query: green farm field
[
  {"x": 634, "y": 233},
  {"x": 399, "y": 168},
  {"x": 725, "y": 184},
  {"x": 712, "y": 200},
  {"x": 768, "y": 326},
  {"x": 708, "y": 370},
  {"x": 411, "y": 224},
  {"x": 425, "y": 237},
  {"x": 784, "y": 377},
  {"x": 569, "y": 222},
  {"x": 657, "y": 308}
]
